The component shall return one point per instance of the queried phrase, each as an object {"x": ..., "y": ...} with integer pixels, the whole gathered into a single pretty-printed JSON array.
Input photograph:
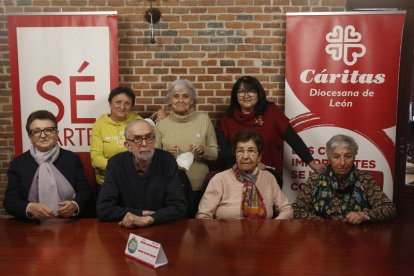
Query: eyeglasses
[
  {"x": 137, "y": 140},
  {"x": 248, "y": 92},
  {"x": 37, "y": 132},
  {"x": 250, "y": 152}
]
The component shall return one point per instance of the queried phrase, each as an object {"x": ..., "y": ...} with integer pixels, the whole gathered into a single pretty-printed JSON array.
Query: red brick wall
[{"x": 210, "y": 42}]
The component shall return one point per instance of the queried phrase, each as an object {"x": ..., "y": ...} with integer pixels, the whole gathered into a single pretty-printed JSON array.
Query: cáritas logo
[{"x": 344, "y": 44}]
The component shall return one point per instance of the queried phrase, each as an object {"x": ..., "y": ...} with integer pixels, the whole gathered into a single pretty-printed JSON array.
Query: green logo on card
[{"x": 132, "y": 245}]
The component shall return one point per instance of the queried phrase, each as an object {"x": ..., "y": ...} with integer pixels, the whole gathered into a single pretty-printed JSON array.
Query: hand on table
[
  {"x": 355, "y": 217},
  {"x": 39, "y": 211},
  {"x": 131, "y": 221},
  {"x": 67, "y": 208}
]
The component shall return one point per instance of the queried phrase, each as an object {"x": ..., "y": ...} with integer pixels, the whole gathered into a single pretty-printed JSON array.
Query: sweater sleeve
[
  {"x": 281, "y": 203},
  {"x": 83, "y": 191},
  {"x": 14, "y": 204},
  {"x": 382, "y": 207},
  {"x": 211, "y": 149},
  {"x": 224, "y": 143},
  {"x": 175, "y": 205},
  {"x": 109, "y": 206},
  {"x": 297, "y": 144},
  {"x": 211, "y": 199},
  {"x": 303, "y": 202},
  {"x": 158, "y": 139},
  {"x": 96, "y": 149}
]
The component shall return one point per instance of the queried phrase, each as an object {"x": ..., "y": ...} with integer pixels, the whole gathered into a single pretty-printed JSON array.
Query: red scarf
[{"x": 252, "y": 205}]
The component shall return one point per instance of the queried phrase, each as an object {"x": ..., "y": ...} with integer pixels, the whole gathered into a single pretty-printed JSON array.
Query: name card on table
[{"x": 145, "y": 251}]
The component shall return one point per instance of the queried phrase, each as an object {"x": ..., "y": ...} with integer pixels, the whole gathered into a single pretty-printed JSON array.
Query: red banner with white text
[
  {"x": 66, "y": 63},
  {"x": 342, "y": 78}
]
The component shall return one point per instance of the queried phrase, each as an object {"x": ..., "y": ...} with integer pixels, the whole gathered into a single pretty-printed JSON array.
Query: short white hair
[
  {"x": 341, "y": 141},
  {"x": 181, "y": 84},
  {"x": 134, "y": 122}
]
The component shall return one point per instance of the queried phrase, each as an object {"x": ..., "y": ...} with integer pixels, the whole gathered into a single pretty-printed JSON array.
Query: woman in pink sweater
[{"x": 244, "y": 191}]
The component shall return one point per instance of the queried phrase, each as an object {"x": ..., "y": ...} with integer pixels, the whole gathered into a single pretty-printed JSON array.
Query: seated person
[
  {"x": 342, "y": 191},
  {"x": 45, "y": 181},
  {"x": 107, "y": 132},
  {"x": 141, "y": 185},
  {"x": 244, "y": 191}
]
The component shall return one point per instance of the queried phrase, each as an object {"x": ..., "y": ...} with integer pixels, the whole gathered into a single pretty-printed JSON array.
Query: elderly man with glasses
[{"x": 141, "y": 186}]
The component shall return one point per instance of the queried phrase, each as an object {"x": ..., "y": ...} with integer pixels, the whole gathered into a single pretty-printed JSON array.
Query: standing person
[
  {"x": 245, "y": 191},
  {"x": 141, "y": 185},
  {"x": 187, "y": 130},
  {"x": 46, "y": 181},
  {"x": 249, "y": 109},
  {"x": 342, "y": 191},
  {"x": 107, "y": 137}
]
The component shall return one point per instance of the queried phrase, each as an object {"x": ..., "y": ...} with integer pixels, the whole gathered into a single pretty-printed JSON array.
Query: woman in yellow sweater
[{"x": 107, "y": 137}]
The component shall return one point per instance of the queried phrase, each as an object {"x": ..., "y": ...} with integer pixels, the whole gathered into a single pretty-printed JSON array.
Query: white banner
[{"x": 67, "y": 64}]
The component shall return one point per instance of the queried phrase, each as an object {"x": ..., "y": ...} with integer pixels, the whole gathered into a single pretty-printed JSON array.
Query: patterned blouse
[{"x": 380, "y": 207}]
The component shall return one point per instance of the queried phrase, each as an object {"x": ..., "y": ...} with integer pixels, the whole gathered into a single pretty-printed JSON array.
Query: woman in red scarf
[{"x": 245, "y": 191}]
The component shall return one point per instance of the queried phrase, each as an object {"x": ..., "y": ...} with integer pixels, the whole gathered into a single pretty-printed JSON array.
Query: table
[{"x": 209, "y": 247}]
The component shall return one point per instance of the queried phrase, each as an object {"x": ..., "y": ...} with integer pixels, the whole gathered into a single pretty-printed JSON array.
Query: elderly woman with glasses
[
  {"x": 46, "y": 181},
  {"x": 187, "y": 130},
  {"x": 343, "y": 192},
  {"x": 245, "y": 191},
  {"x": 249, "y": 109}
]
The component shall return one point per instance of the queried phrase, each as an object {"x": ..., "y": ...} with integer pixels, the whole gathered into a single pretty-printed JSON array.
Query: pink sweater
[{"x": 222, "y": 198}]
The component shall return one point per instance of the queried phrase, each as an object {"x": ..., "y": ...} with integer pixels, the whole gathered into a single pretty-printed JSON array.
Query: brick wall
[{"x": 210, "y": 42}]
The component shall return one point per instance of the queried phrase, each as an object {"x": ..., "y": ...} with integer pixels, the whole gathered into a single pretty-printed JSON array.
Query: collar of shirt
[{"x": 142, "y": 168}]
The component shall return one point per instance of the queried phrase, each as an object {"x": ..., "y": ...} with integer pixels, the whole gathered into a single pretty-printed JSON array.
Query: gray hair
[
  {"x": 133, "y": 123},
  {"x": 341, "y": 141},
  {"x": 181, "y": 84}
]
